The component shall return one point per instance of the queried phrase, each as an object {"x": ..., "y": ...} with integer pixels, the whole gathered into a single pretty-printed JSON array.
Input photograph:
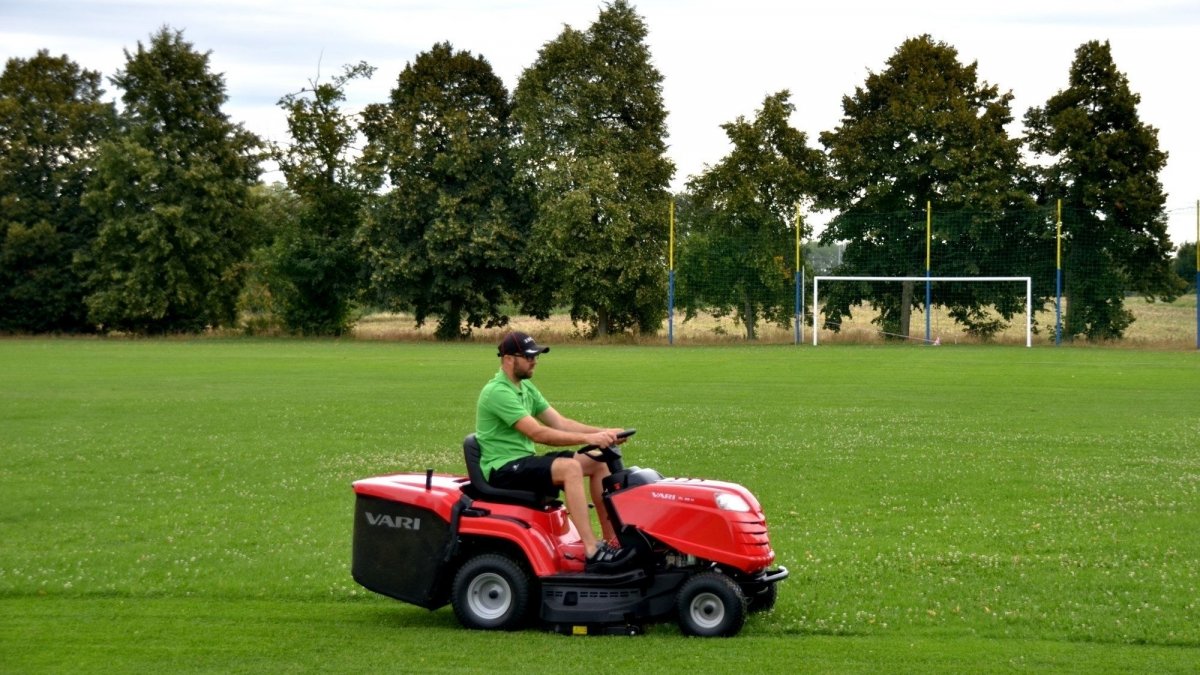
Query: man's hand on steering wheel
[
  {"x": 602, "y": 438},
  {"x": 618, "y": 437}
]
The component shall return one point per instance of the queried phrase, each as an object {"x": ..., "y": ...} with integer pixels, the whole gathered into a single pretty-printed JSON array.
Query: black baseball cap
[{"x": 520, "y": 344}]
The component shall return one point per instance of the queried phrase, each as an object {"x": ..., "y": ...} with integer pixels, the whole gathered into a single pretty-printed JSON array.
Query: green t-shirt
[{"x": 501, "y": 405}]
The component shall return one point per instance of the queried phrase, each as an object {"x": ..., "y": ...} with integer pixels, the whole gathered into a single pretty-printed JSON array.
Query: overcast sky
[{"x": 719, "y": 59}]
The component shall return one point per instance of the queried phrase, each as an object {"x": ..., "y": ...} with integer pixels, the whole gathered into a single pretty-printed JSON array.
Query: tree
[
  {"x": 444, "y": 240},
  {"x": 738, "y": 253},
  {"x": 926, "y": 130},
  {"x": 1106, "y": 166},
  {"x": 171, "y": 190},
  {"x": 274, "y": 213},
  {"x": 592, "y": 160},
  {"x": 316, "y": 260},
  {"x": 1185, "y": 264},
  {"x": 51, "y": 120}
]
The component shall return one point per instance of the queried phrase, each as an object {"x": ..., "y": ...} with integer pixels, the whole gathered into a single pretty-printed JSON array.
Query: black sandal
[{"x": 607, "y": 558}]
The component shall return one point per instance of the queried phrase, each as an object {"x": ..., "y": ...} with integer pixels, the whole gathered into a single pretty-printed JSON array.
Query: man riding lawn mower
[{"x": 499, "y": 547}]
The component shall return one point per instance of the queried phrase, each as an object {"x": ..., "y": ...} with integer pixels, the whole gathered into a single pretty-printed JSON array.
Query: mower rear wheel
[
  {"x": 711, "y": 605},
  {"x": 491, "y": 592}
]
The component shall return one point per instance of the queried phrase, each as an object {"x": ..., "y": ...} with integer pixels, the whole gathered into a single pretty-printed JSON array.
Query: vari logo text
[
  {"x": 671, "y": 497},
  {"x": 395, "y": 522}
]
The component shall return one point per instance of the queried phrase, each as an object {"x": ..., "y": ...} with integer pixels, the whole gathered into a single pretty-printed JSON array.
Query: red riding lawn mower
[{"x": 505, "y": 557}]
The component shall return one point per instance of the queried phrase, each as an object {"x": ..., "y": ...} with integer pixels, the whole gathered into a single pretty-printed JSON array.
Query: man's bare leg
[
  {"x": 597, "y": 471},
  {"x": 569, "y": 475}
]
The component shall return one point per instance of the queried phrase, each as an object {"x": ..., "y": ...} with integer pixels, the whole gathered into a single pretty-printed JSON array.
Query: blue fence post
[
  {"x": 671, "y": 274},
  {"x": 1058, "y": 307},
  {"x": 671, "y": 307},
  {"x": 799, "y": 307},
  {"x": 1058, "y": 276},
  {"x": 928, "y": 268},
  {"x": 928, "y": 306}
]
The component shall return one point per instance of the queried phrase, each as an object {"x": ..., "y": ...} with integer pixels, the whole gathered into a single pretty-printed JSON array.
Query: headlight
[{"x": 729, "y": 502}]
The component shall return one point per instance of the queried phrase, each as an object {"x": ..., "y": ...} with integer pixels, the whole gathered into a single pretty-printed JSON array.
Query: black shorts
[{"x": 529, "y": 473}]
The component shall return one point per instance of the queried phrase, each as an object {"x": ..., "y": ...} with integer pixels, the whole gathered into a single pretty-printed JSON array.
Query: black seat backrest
[{"x": 485, "y": 490}]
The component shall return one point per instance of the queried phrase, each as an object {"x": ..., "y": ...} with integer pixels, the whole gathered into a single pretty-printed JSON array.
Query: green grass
[{"x": 187, "y": 504}]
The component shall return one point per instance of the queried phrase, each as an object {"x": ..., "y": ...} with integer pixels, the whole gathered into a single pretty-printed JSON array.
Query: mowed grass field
[{"x": 186, "y": 505}]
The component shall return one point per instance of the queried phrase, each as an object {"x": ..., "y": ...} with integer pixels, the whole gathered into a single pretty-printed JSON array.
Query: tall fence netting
[{"x": 743, "y": 289}]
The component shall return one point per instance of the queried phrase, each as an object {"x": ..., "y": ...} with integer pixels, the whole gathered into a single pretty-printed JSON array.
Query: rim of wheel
[
  {"x": 707, "y": 610},
  {"x": 489, "y": 596}
]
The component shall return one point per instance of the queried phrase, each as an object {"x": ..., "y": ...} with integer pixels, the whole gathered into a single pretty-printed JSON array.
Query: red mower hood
[{"x": 709, "y": 519}]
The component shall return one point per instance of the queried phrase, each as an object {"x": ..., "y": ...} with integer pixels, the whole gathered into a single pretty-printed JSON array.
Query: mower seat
[{"x": 485, "y": 490}]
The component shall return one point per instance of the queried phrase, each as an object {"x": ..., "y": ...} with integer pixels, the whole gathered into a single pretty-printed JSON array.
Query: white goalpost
[{"x": 1028, "y": 295}]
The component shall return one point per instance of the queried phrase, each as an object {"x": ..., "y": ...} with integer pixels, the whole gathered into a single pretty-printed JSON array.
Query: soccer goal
[{"x": 1028, "y": 297}]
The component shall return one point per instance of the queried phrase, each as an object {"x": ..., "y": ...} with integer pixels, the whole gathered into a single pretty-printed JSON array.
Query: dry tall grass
[{"x": 1157, "y": 326}]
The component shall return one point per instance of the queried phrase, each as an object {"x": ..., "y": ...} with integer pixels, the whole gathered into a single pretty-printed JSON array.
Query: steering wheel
[{"x": 612, "y": 448}]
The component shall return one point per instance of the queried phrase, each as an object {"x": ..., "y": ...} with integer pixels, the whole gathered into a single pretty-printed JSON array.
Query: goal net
[{"x": 921, "y": 295}]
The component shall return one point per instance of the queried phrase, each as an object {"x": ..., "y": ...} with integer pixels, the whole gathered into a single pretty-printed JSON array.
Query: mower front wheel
[
  {"x": 491, "y": 592},
  {"x": 764, "y": 600},
  {"x": 711, "y": 605}
]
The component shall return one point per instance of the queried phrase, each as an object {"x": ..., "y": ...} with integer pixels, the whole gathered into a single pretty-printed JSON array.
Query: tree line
[{"x": 460, "y": 202}]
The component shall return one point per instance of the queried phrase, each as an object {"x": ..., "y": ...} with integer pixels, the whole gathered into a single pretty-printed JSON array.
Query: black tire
[
  {"x": 711, "y": 604},
  {"x": 763, "y": 601},
  {"x": 491, "y": 592}
]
